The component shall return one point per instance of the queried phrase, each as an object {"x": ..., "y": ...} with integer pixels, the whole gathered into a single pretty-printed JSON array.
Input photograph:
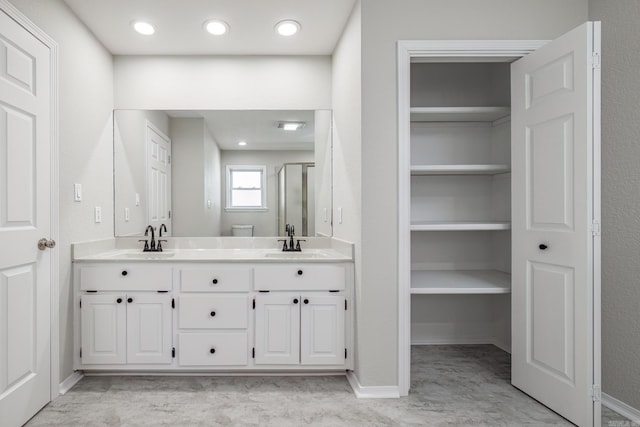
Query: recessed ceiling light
[
  {"x": 287, "y": 27},
  {"x": 216, "y": 27},
  {"x": 242, "y": 143},
  {"x": 290, "y": 126},
  {"x": 143, "y": 27}
]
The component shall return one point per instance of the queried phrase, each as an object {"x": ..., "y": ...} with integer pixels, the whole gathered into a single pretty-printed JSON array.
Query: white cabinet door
[
  {"x": 322, "y": 330},
  {"x": 104, "y": 335},
  {"x": 148, "y": 328},
  {"x": 277, "y": 322},
  {"x": 553, "y": 193}
]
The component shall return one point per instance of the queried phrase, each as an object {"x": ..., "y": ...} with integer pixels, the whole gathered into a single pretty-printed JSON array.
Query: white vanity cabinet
[
  {"x": 123, "y": 322},
  {"x": 213, "y": 316},
  {"x": 300, "y": 313}
]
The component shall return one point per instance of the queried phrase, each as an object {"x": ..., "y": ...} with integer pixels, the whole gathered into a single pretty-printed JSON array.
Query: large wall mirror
[{"x": 222, "y": 172}]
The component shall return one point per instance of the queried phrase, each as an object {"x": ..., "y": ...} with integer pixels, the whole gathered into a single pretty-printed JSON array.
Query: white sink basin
[
  {"x": 296, "y": 255},
  {"x": 148, "y": 255}
]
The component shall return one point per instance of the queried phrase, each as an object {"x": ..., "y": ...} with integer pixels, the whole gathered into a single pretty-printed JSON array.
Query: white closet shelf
[
  {"x": 487, "y": 169},
  {"x": 459, "y": 225},
  {"x": 458, "y": 114},
  {"x": 460, "y": 282}
]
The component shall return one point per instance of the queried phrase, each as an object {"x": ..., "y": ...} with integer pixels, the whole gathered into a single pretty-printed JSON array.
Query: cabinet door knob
[
  {"x": 214, "y": 281},
  {"x": 124, "y": 272},
  {"x": 306, "y": 301},
  {"x": 299, "y": 272},
  {"x": 129, "y": 299},
  {"x": 542, "y": 246},
  {"x": 213, "y": 314},
  {"x": 119, "y": 300},
  {"x": 295, "y": 300},
  {"x": 213, "y": 350}
]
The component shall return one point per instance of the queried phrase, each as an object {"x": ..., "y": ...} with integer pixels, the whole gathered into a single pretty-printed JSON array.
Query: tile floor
[{"x": 451, "y": 386}]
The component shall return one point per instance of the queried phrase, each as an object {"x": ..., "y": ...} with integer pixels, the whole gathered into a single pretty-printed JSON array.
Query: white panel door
[
  {"x": 103, "y": 325},
  {"x": 322, "y": 330},
  {"x": 277, "y": 329},
  {"x": 25, "y": 217},
  {"x": 158, "y": 178},
  {"x": 149, "y": 328},
  {"x": 553, "y": 207}
]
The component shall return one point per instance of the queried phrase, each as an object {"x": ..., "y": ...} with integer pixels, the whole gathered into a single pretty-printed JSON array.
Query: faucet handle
[
  {"x": 159, "y": 247},
  {"x": 284, "y": 245},
  {"x": 298, "y": 248},
  {"x": 146, "y": 245}
]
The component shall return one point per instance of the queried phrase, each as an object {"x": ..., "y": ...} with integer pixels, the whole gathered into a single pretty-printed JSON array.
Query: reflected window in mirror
[{"x": 246, "y": 187}]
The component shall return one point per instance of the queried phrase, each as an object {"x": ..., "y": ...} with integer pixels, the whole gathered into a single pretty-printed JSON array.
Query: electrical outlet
[
  {"x": 98, "y": 214},
  {"x": 137, "y": 199}
]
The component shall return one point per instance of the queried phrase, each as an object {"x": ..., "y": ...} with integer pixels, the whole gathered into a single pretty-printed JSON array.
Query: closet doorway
[{"x": 499, "y": 208}]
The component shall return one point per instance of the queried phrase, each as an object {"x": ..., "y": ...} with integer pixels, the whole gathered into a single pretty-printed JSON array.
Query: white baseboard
[
  {"x": 621, "y": 408},
  {"x": 372, "y": 392},
  {"x": 70, "y": 381}
]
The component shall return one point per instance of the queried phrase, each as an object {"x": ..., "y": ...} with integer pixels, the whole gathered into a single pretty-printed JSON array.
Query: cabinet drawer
[
  {"x": 215, "y": 280},
  {"x": 125, "y": 277},
  {"x": 299, "y": 277},
  {"x": 213, "y": 349},
  {"x": 213, "y": 312}
]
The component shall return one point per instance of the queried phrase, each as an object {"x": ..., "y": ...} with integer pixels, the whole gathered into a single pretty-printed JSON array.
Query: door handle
[{"x": 44, "y": 244}]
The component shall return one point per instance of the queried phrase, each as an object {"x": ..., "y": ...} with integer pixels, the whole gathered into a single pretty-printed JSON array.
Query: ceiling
[
  {"x": 179, "y": 26},
  {"x": 258, "y": 128}
]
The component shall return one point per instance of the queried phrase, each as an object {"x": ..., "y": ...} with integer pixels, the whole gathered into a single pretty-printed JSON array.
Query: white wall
[
  {"x": 212, "y": 183},
  {"x": 415, "y": 19},
  {"x": 347, "y": 185},
  {"x": 323, "y": 173},
  {"x": 264, "y": 222},
  {"x": 195, "y": 161},
  {"x": 223, "y": 82},
  {"x": 86, "y": 133},
  {"x": 620, "y": 197},
  {"x": 129, "y": 147}
]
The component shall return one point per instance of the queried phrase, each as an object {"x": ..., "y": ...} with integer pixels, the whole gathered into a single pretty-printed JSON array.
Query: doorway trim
[
  {"x": 409, "y": 51},
  {"x": 25, "y": 22}
]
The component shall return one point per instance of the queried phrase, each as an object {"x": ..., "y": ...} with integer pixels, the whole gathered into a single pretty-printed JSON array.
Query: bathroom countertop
[{"x": 216, "y": 255}]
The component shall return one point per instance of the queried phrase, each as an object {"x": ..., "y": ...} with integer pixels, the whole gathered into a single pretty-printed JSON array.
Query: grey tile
[{"x": 451, "y": 386}]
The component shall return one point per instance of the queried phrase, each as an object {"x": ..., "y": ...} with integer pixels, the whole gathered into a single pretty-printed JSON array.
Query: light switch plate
[
  {"x": 137, "y": 199},
  {"x": 126, "y": 214},
  {"x": 98, "y": 214},
  {"x": 77, "y": 192}
]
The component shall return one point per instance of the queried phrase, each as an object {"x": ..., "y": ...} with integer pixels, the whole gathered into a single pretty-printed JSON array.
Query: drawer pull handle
[
  {"x": 295, "y": 300},
  {"x": 213, "y": 314},
  {"x": 129, "y": 299},
  {"x": 299, "y": 272},
  {"x": 213, "y": 350},
  {"x": 124, "y": 272},
  {"x": 214, "y": 281},
  {"x": 306, "y": 301},
  {"x": 119, "y": 300},
  {"x": 542, "y": 246}
]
